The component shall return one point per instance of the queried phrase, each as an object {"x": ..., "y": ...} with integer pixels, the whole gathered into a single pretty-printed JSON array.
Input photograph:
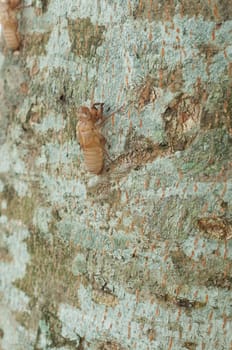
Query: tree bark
[{"x": 140, "y": 256}]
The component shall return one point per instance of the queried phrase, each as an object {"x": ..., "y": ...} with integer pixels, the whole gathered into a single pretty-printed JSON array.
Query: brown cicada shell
[
  {"x": 13, "y": 3},
  {"x": 91, "y": 140},
  {"x": 9, "y": 23}
]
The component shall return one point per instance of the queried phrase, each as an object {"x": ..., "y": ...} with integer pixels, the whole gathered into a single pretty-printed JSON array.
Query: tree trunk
[{"x": 139, "y": 256}]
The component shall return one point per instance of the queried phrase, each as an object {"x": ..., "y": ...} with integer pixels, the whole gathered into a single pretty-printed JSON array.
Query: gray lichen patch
[
  {"x": 60, "y": 99},
  {"x": 85, "y": 36},
  {"x": 62, "y": 92},
  {"x": 216, "y": 150},
  {"x": 219, "y": 95},
  {"x": 14, "y": 84},
  {"x": 135, "y": 266}
]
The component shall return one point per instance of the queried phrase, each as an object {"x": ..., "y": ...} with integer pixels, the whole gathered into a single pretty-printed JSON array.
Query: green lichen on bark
[
  {"x": 35, "y": 44},
  {"x": 214, "y": 162},
  {"x": 47, "y": 280},
  {"x": 154, "y": 10},
  {"x": 17, "y": 208},
  {"x": 85, "y": 37}
]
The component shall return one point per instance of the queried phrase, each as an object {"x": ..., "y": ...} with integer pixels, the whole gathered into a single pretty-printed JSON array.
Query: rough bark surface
[{"x": 139, "y": 257}]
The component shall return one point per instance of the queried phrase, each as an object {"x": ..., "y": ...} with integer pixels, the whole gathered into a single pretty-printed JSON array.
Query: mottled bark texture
[{"x": 139, "y": 257}]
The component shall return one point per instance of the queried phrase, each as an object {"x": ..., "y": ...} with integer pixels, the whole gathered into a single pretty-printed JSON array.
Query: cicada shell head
[
  {"x": 81, "y": 116},
  {"x": 84, "y": 110}
]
